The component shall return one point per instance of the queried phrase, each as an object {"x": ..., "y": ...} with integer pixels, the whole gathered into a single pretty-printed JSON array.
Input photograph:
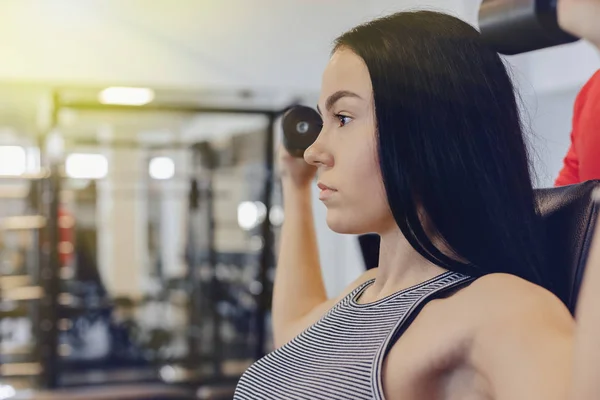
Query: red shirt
[{"x": 582, "y": 162}]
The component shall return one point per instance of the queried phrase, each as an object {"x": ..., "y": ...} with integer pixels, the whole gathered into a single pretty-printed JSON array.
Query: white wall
[
  {"x": 549, "y": 125},
  {"x": 560, "y": 68},
  {"x": 548, "y": 81}
]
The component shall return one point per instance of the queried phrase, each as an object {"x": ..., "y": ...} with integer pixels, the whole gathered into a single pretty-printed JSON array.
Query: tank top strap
[{"x": 432, "y": 289}]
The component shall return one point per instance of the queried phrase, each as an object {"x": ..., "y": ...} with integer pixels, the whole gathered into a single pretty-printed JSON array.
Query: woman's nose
[{"x": 316, "y": 155}]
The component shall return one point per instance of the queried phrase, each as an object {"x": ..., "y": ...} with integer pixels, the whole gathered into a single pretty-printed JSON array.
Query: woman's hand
[
  {"x": 294, "y": 170},
  {"x": 581, "y": 18}
]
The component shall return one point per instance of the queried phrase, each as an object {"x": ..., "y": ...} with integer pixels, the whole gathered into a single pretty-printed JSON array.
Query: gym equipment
[
  {"x": 569, "y": 215},
  {"x": 519, "y": 26},
  {"x": 301, "y": 126},
  {"x": 24, "y": 242},
  {"x": 139, "y": 349}
]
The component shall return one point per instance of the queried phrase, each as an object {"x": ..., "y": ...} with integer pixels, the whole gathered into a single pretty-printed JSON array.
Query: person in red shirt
[{"x": 582, "y": 162}]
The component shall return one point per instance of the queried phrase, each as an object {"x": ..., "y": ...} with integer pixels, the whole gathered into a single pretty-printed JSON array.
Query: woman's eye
[{"x": 344, "y": 119}]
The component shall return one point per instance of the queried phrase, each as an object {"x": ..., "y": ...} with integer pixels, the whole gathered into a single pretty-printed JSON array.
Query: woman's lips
[{"x": 326, "y": 191}]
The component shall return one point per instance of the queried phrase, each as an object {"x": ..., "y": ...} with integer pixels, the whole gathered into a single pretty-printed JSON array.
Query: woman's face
[{"x": 346, "y": 150}]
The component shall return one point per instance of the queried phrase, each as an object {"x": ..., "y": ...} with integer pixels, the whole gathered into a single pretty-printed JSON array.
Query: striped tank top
[{"x": 341, "y": 356}]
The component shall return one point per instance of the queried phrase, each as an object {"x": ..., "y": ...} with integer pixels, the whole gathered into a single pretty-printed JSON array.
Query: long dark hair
[{"x": 450, "y": 141}]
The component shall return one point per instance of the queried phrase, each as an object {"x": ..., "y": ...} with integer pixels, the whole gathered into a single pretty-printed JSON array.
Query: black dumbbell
[
  {"x": 301, "y": 127},
  {"x": 519, "y": 26}
]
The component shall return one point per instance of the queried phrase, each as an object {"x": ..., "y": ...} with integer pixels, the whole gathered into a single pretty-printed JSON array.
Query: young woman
[{"x": 421, "y": 144}]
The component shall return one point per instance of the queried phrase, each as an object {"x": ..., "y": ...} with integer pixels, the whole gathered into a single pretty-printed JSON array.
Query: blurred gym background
[{"x": 139, "y": 206}]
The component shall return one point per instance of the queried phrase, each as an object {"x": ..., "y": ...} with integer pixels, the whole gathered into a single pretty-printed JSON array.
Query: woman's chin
[{"x": 345, "y": 226}]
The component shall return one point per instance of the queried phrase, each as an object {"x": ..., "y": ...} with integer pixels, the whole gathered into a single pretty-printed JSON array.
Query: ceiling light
[
  {"x": 86, "y": 166},
  {"x": 13, "y": 160},
  {"x": 161, "y": 168},
  {"x": 130, "y": 96}
]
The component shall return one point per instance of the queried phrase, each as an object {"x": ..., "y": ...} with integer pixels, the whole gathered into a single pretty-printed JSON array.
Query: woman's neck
[{"x": 400, "y": 266}]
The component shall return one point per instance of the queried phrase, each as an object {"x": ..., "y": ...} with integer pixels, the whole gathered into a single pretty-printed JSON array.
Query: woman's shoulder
[
  {"x": 522, "y": 333},
  {"x": 501, "y": 298},
  {"x": 499, "y": 306},
  {"x": 510, "y": 292},
  {"x": 509, "y": 311}
]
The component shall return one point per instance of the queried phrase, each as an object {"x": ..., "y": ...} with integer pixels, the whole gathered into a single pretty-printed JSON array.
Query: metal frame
[{"x": 49, "y": 268}]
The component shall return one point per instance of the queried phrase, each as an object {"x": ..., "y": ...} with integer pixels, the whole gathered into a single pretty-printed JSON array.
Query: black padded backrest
[{"x": 569, "y": 215}]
